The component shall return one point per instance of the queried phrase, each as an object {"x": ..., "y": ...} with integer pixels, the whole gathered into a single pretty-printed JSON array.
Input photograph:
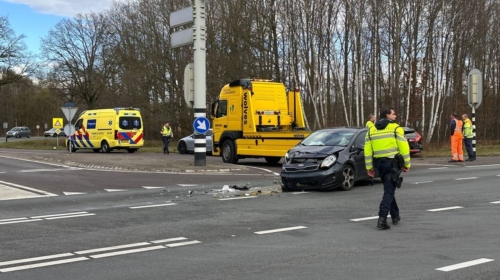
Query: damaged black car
[{"x": 327, "y": 159}]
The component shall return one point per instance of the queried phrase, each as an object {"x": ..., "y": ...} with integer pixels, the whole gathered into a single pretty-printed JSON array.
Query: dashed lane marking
[
  {"x": 495, "y": 202},
  {"x": 436, "y": 168},
  {"x": 146, "y": 246},
  {"x": 73, "y": 193},
  {"x": 45, "y": 170},
  {"x": 187, "y": 185},
  {"x": 152, "y": 188},
  {"x": 279, "y": 230},
  {"x": 464, "y": 264},
  {"x": 299, "y": 192},
  {"x": 367, "y": 218},
  {"x": 468, "y": 178},
  {"x": 150, "y": 206},
  {"x": 114, "y": 190},
  {"x": 235, "y": 198},
  {"x": 445, "y": 209},
  {"x": 422, "y": 182}
]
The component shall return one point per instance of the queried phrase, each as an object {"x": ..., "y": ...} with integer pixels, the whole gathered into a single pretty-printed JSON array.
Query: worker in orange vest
[{"x": 456, "y": 138}]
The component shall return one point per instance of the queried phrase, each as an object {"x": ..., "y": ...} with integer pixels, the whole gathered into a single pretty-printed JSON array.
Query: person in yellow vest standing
[
  {"x": 387, "y": 150},
  {"x": 166, "y": 135},
  {"x": 467, "y": 132},
  {"x": 457, "y": 154},
  {"x": 371, "y": 121}
]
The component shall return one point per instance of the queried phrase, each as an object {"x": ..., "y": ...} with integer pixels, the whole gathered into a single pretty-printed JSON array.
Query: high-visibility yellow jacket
[
  {"x": 369, "y": 124},
  {"x": 166, "y": 131},
  {"x": 386, "y": 139},
  {"x": 467, "y": 128}
]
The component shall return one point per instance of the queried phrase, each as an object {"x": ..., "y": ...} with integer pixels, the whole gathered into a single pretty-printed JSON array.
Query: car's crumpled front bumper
[{"x": 308, "y": 176}]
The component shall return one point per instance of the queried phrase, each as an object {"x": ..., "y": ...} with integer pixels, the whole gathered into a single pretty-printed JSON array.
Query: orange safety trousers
[{"x": 456, "y": 146}]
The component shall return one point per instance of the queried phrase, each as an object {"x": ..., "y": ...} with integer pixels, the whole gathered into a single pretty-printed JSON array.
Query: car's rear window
[{"x": 130, "y": 123}]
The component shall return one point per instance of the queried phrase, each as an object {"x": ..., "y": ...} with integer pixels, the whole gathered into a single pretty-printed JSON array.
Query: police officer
[
  {"x": 384, "y": 143},
  {"x": 166, "y": 135},
  {"x": 371, "y": 120},
  {"x": 467, "y": 132}
]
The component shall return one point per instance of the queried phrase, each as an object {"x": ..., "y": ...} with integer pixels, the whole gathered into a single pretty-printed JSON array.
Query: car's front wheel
[
  {"x": 29, "y": 136},
  {"x": 347, "y": 178},
  {"x": 182, "y": 147}
]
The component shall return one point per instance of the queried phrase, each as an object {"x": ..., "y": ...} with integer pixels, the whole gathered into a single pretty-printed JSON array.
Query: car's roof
[{"x": 343, "y": 128}]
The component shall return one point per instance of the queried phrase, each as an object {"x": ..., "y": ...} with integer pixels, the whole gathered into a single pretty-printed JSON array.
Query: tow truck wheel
[{"x": 229, "y": 152}]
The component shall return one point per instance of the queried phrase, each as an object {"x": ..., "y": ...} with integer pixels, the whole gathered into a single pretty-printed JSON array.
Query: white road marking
[
  {"x": 112, "y": 248},
  {"x": 149, "y": 206},
  {"x": 74, "y": 216},
  {"x": 41, "y": 162},
  {"x": 57, "y": 215},
  {"x": 234, "y": 198},
  {"x": 182, "y": 244},
  {"x": 105, "y": 255},
  {"x": 36, "y": 259},
  {"x": 367, "y": 218},
  {"x": 73, "y": 193},
  {"x": 13, "y": 219},
  {"x": 464, "y": 264},
  {"x": 114, "y": 190},
  {"x": 187, "y": 185},
  {"x": 423, "y": 182},
  {"x": 267, "y": 170},
  {"x": 21, "y": 221},
  {"x": 152, "y": 188},
  {"x": 3, "y": 172},
  {"x": 168, "y": 240},
  {"x": 36, "y": 191},
  {"x": 438, "y": 168},
  {"x": 29, "y": 266},
  {"x": 444, "y": 209},
  {"x": 40, "y": 170},
  {"x": 484, "y": 165},
  {"x": 299, "y": 192},
  {"x": 468, "y": 178},
  {"x": 279, "y": 230},
  {"x": 495, "y": 202}
]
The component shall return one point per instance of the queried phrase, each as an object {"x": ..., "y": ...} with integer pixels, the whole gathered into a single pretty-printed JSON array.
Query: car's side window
[{"x": 359, "y": 142}]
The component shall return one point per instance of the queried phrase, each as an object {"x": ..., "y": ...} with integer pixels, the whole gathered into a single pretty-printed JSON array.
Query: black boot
[
  {"x": 382, "y": 223},
  {"x": 396, "y": 220}
]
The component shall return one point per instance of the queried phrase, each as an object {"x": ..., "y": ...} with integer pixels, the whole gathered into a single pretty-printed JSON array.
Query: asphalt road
[{"x": 139, "y": 225}]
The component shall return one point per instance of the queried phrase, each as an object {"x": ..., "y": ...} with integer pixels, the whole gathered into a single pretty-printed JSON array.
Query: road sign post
[
  {"x": 69, "y": 113},
  {"x": 196, "y": 36},
  {"x": 475, "y": 97}
]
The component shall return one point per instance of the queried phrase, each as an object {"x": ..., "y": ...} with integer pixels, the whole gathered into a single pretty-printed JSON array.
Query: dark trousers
[
  {"x": 166, "y": 141},
  {"x": 468, "y": 147},
  {"x": 388, "y": 203}
]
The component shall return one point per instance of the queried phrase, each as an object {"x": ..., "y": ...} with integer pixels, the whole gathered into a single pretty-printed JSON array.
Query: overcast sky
[{"x": 34, "y": 18}]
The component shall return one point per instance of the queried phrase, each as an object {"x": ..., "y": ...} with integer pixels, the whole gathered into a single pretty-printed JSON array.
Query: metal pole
[
  {"x": 474, "y": 130},
  {"x": 199, "y": 32}
]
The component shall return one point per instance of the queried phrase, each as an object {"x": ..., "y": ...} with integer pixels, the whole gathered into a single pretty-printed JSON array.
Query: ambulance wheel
[
  {"x": 229, "y": 152},
  {"x": 272, "y": 160},
  {"x": 72, "y": 147},
  {"x": 105, "y": 147},
  {"x": 131, "y": 151},
  {"x": 182, "y": 147},
  {"x": 96, "y": 150}
]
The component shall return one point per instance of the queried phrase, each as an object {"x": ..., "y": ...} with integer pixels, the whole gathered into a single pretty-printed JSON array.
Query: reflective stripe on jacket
[
  {"x": 166, "y": 131},
  {"x": 467, "y": 128},
  {"x": 386, "y": 142}
]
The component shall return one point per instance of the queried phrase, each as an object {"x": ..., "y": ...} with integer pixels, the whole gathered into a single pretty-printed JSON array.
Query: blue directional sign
[{"x": 201, "y": 125}]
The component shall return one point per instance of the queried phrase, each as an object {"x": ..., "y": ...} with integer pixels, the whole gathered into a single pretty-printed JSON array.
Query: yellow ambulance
[{"x": 108, "y": 129}]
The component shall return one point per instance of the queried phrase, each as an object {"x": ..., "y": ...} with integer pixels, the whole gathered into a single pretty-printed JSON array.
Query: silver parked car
[
  {"x": 19, "y": 131},
  {"x": 52, "y": 133},
  {"x": 186, "y": 144}
]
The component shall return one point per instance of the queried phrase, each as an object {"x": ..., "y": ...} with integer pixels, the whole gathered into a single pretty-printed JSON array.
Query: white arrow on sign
[{"x": 201, "y": 125}]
